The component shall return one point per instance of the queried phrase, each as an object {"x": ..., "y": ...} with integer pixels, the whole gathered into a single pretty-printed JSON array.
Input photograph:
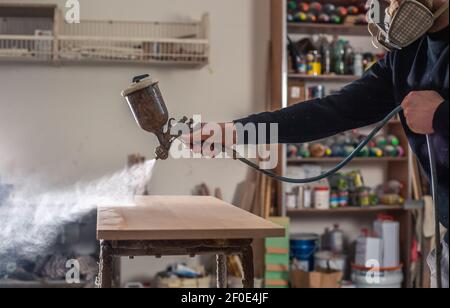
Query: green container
[
  {"x": 272, "y": 259},
  {"x": 277, "y": 276}
]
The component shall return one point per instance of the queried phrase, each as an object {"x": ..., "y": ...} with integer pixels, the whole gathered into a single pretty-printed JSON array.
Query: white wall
[{"x": 70, "y": 123}]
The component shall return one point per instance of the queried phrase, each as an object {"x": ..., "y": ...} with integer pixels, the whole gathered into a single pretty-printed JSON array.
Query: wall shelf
[
  {"x": 325, "y": 160},
  {"x": 24, "y": 35},
  {"x": 331, "y": 29},
  {"x": 346, "y": 210},
  {"x": 323, "y": 78}
]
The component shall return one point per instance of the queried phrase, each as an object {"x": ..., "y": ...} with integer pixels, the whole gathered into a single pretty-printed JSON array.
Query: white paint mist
[{"x": 30, "y": 219}]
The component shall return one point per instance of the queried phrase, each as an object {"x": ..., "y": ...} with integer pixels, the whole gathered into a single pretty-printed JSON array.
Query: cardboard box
[{"x": 316, "y": 280}]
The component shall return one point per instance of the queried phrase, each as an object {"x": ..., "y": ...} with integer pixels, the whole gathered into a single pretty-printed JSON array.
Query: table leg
[
  {"x": 222, "y": 271},
  {"x": 105, "y": 275},
  {"x": 247, "y": 264}
]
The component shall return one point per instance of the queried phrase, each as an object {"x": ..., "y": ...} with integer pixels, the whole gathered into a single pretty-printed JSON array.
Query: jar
[
  {"x": 322, "y": 198},
  {"x": 364, "y": 196},
  {"x": 291, "y": 201}
]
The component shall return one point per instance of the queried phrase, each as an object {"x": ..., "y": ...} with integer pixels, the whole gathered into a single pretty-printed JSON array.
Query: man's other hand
[{"x": 420, "y": 108}]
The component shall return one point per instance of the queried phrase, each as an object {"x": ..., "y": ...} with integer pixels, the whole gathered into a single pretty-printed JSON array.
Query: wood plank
[{"x": 181, "y": 218}]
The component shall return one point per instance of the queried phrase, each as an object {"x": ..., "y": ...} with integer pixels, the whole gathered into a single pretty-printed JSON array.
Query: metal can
[{"x": 314, "y": 63}]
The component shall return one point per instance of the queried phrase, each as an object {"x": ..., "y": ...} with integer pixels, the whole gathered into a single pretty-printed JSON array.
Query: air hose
[{"x": 346, "y": 161}]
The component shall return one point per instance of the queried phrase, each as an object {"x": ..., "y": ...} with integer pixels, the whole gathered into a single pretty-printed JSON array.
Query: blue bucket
[{"x": 303, "y": 248}]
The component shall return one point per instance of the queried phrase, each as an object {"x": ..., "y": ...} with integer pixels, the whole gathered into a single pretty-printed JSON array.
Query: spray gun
[{"x": 150, "y": 112}]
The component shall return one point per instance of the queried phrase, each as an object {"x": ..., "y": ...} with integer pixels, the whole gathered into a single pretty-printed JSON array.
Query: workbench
[{"x": 174, "y": 226}]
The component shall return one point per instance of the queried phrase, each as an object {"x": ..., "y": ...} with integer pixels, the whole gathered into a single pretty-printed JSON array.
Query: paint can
[
  {"x": 303, "y": 249},
  {"x": 381, "y": 278}
]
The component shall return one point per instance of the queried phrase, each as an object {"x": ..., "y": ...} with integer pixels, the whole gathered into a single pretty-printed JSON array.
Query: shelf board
[
  {"x": 28, "y": 10},
  {"x": 324, "y": 78},
  {"x": 332, "y": 29},
  {"x": 294, "y": 161},
  {"x": 349, "y": 210}
]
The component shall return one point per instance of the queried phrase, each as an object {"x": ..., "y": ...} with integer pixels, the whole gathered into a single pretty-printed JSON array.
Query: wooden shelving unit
[{"x": 395, "y": 168}]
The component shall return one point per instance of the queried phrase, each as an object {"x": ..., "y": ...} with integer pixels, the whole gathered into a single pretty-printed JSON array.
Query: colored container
[
  {"x": 303, "y": 248},
  {"x": 322, "y": 198},
  {"x": 383, "y": 278}
]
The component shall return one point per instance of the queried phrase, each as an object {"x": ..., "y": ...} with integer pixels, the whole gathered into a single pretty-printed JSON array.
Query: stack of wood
[{"x": 257, "y": 195}]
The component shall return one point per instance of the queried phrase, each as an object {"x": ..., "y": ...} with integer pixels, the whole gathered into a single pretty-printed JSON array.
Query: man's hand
[
  {"x": 209, "y": 139},
  {"x": 419, "y": 109}
]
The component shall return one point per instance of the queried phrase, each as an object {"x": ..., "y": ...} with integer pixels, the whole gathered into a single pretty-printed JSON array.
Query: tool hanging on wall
[{"x": 150, "y": 112}]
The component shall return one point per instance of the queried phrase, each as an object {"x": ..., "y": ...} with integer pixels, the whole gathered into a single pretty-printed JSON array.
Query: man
[{"x": 415, "y": 77}]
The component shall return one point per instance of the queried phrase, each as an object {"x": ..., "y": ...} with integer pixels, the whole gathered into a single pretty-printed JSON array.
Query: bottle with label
[
  {"x": 349, "y": 56},
  {"x": 358, "y": 67},
  {"x": 337, "y": 240},
  {"x": 338, "y": 57},
  {"x": 325, "y": 51},
  {"x": 307, "y": 197}
]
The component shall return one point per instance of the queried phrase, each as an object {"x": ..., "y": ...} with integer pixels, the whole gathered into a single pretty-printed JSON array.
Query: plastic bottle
[
  {"x": 358, "y": 68},
  {"x": 307, "y": 195},
  {"x": 349, "y": 56},
  {"x": 338, "y": 57},
  {"x": 337, "y": 240},
  {"x": 325, "y": 50}
]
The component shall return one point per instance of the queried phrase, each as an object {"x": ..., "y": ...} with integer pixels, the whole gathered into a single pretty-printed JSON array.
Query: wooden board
[{"x": 181, "y": 218}]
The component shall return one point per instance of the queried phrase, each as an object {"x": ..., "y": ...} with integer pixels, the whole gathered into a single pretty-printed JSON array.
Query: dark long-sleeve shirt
[{"x": 423, "y": 65}]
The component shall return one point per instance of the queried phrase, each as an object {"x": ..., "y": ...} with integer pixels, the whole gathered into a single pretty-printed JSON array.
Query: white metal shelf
[{"x": 184, "y": 43}]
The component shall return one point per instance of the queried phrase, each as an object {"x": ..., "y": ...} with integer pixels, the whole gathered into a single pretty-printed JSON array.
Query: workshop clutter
[
  {"x": 344, "y": 144},
  {"x": 331, "y": 260},
  {"x": 317, "y": 12},
  {"x": 344, "y": 190},
  {"x": 318, "y": 261},
  {"x": 183, "y": 276},
  {"x": 328, "y": 57},
  {"x": 379, "y": 251},
  {"x": 47, "y": 270}
]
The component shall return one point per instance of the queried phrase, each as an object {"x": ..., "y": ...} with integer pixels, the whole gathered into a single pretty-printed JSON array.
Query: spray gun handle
[{"x": 167, "y": 138}]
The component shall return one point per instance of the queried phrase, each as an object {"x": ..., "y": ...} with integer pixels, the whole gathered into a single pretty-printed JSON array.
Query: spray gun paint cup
[{"x": 150, "y": 112}]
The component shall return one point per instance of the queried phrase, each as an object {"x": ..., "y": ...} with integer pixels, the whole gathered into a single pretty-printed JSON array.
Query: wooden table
[{"x": 186, "y": 225}]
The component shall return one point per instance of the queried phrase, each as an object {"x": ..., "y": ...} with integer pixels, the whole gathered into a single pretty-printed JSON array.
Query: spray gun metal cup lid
[{"x": 150, "y": 112}]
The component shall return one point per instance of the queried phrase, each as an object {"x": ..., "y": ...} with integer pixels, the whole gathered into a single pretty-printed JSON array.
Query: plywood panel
[{"x": 181, "y": 218}]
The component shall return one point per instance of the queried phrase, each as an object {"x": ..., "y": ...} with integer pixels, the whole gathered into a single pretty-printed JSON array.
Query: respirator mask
[{"x": 396, "y": 27}]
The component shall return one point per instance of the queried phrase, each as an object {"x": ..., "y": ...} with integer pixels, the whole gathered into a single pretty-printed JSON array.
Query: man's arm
[{"x": 359, "y": 104}]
